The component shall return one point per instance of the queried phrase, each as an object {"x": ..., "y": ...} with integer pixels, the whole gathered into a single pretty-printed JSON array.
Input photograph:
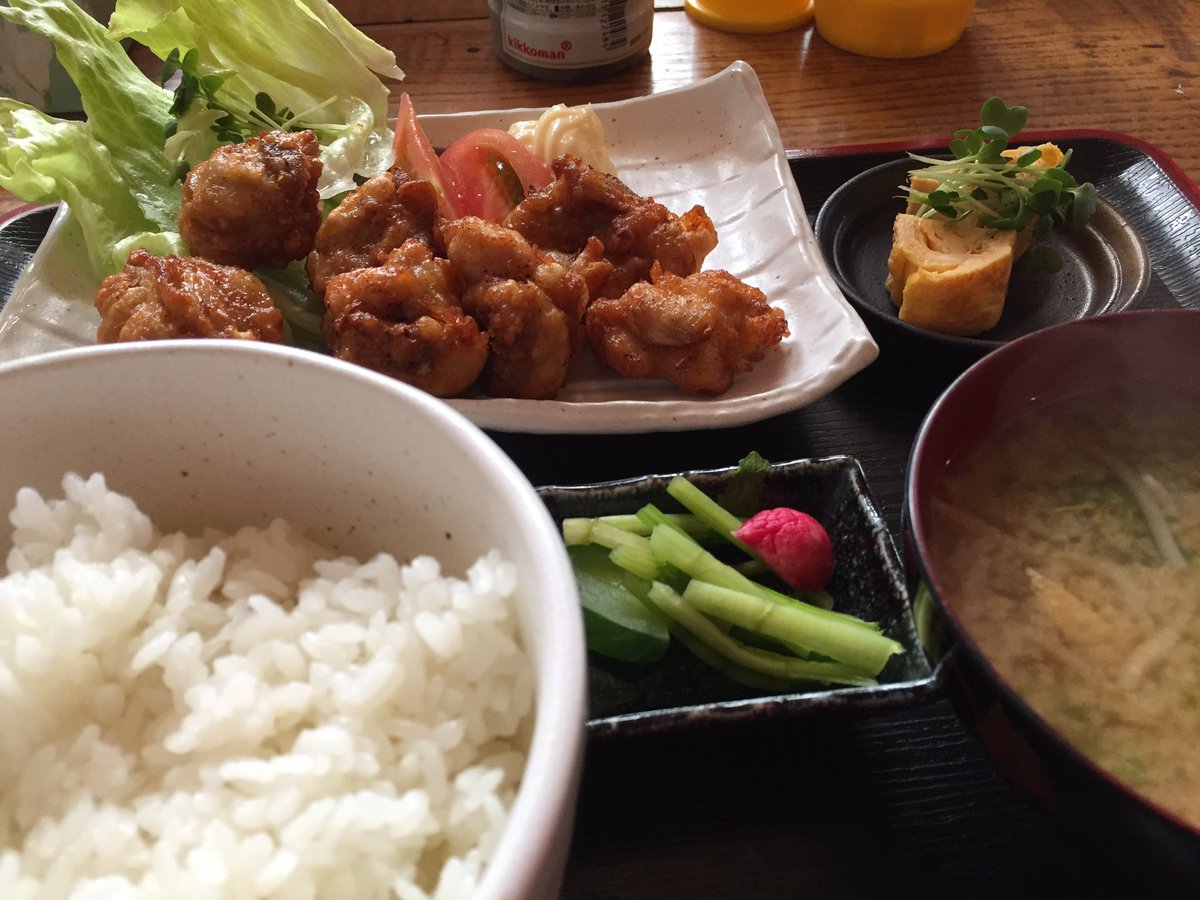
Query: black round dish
[
  {"x": 1152, "y": 350},
  {"x": 1105, "y": 265}
]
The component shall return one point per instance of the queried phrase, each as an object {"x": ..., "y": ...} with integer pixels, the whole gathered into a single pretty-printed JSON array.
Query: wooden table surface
[
  {"x": 1131, "y": 66},
  {"x": 1123, "y": 65},
  {"x": 668, "y": 818}
]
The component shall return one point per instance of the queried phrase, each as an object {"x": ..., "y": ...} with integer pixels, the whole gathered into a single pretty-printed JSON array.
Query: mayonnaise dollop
[{"x": 570, "y": 130}]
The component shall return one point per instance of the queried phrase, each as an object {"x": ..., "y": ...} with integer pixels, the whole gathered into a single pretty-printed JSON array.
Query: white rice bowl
[
  {"x": 225, "y": 435},
  {"x": 247, "y": 715}
]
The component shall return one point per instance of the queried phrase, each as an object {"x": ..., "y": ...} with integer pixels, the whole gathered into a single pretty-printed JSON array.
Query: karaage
[
  {"x": 254, "y": 204},
  {"x": 582, "y": 203},
  {"x": 698, "y": 332},
  {"x": 163, "y": 297},
  {"x": 372, "y": 221},
  {"x": 529, "y": 339},
  {"x": 403, "y": 319},
  {"x": 480, "y": 249},
  {"x": 530, "y": 306}
]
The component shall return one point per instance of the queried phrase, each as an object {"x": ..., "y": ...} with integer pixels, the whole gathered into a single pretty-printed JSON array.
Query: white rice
[{"x": 245, "y": 716}]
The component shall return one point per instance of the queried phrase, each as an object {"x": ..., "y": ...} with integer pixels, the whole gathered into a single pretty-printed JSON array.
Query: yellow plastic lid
[
  {"x": 750, "y": 16},
  {"x": 890, "y": 29}
]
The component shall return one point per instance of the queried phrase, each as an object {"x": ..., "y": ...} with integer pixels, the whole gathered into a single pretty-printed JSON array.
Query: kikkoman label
[{"x": 571, "y": 35}]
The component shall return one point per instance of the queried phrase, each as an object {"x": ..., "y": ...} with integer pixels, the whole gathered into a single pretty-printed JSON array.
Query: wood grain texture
[
  {"x": 364, "y": 12},
  {"x": 1120, "y": 65}
]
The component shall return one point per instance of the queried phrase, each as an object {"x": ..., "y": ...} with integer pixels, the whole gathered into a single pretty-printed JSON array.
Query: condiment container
[
  {"x": 752, "y": 17},
  {"x": 894, "y": 29},
  {"x": 571, "y": 40}
]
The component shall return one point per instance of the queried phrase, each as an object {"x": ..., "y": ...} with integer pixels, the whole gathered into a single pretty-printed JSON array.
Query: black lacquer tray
[
  {"x": 853, "y": 799},
  {"x": 872, "y": 795}
]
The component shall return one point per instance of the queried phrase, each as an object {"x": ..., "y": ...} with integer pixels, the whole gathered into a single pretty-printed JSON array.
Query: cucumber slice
[{"x": 617, "y": 623}]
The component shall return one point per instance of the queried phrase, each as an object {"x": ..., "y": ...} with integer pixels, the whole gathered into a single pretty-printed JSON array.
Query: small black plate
[
  {"x": 1106, "y": 266},
  {"x": 868, "y": 581}
]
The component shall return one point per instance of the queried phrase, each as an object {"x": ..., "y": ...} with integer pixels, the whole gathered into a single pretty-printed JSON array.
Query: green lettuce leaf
[
  {"x": 43, "y": 160},
  {"x": 126, "y": 112},
  {"x": 265, "y": 64},
  {"x": 302, "y": 54}
]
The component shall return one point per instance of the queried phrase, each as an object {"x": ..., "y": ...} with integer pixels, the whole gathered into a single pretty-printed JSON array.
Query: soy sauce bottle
[{"x": 571, "y": 40}]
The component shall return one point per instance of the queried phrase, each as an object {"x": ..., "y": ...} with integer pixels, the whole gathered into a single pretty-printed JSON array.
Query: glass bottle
[{"x": 571, "y": 40}]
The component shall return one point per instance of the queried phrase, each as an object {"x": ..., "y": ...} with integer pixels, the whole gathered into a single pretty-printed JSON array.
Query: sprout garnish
[{"x": 998, "y": 192}]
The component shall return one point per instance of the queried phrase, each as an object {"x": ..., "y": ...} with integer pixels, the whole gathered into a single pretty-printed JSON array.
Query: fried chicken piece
[
  {"x": 481, "y": 250},
  {"x": 372, "y": 221},
  {"x": 636, "y": 232},
  {"x": 402, "y": 318},
  {"x": 589, "y": 264},
  {"x": 162, "y": 297},
  {"x": 254, "y": 204},
  {"x": 697, "y": 332},
  {"x": 529, "y": 338}
]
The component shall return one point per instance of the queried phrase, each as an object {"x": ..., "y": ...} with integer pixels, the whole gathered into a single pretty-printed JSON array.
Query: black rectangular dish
[{"x": 867, "y": 582}]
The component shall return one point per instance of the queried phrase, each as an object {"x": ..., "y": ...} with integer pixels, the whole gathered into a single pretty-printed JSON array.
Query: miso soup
[{"x": 1069, "y": 547}]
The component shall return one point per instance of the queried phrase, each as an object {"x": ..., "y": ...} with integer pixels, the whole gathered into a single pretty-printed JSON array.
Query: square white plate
[{"x": 714, "y": 143}]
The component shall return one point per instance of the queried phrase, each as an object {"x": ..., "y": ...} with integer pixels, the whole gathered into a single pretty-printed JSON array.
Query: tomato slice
[
  {"x": 416, "y": 156},
  {"x": 489, "y": 172}
]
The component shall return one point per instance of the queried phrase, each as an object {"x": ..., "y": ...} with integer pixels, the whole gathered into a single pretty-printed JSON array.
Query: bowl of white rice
[{"x": 274, "y": 626}]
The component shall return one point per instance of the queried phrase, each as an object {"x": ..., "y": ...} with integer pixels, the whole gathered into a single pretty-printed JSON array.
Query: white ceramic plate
[{"x": 714, "y": 143}]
